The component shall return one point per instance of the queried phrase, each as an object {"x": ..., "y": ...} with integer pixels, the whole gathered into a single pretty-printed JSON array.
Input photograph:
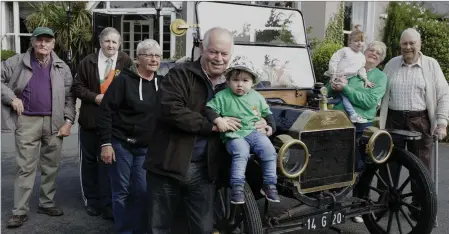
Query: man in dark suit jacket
[{"x": 93, "y": 76}]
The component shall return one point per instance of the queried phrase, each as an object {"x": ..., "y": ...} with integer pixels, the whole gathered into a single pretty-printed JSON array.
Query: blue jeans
[
  {"x": 346, "y": 103},
  {"x": 240, "y": 149},
  {"x": 167, "y": 195},
  {"x": 128, "y": 185}
]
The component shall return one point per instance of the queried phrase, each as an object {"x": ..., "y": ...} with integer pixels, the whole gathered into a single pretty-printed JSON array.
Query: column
[
  {"x": 172, "y": 37},
  {"x": 190, "y": 19},
  {"x": 16, "y": 15},
  {"x": 4, "y": 26},
  {"x": 161, "y": 32},
  {"x": 370, "y": 21}
]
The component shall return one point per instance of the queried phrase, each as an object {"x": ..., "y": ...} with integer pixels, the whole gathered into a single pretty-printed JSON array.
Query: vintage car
[{"x": 316, "y": 146}]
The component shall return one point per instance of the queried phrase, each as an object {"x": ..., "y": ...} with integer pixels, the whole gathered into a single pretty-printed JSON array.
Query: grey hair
[
  {"x": 416, "y": 36},
  {"x": 378, "y": 46},
  {"x": 219, "y": 30},
  {"x": 108, "y": 30},
  {"x": 148, "y": 44}
]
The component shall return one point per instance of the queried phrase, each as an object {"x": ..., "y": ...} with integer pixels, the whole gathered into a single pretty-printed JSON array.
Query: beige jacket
[
  {"x": 15, "y": 74},
  {"x": 437, "y": 90}
]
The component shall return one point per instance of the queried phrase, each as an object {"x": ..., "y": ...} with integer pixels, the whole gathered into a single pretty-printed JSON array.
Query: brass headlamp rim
[
  {"x": 282, "y": 152},
  {"x": 370, "y": 146}
]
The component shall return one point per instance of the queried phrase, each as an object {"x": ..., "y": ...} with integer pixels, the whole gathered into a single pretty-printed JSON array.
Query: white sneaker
[
  {"x": 357, "y": 219},
  {"x": 358, "y": 119}
]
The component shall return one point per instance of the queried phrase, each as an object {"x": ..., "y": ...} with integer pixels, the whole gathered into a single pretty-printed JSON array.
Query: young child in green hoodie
[{"x": 241, "y": 101}]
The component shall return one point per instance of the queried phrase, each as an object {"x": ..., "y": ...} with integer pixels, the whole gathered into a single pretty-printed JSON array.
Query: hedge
[
  {"x": 320, "y": 59},
  {"x": 6, "y": 54}
]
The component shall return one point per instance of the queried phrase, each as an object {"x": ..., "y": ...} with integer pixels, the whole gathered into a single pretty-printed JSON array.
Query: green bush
[
  {"x": 6, "y": 54},
  {"x": 435, "y": 42},
  {"x": 334, "y": 29},
  {"x": 320, "y": 59}
]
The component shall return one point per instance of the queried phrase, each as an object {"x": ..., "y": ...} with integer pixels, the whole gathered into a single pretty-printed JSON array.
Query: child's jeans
[
  {"x": 346, "y": 103},
  {"x": 240, "y": 149}
]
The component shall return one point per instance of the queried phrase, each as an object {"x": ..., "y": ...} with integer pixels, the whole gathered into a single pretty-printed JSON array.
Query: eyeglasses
[{"x": 147, "y": 56}]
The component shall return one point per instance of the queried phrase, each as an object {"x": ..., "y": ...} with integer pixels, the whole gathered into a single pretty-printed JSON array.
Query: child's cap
[{"x": 244, "y": 64}]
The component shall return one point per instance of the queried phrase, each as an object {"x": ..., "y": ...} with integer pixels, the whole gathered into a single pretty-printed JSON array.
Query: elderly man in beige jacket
[
  {"x": 38, "y": 105},
  {"x": 417, "y": 96}
]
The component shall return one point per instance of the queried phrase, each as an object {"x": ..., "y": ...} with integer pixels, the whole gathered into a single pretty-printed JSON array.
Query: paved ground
[{"x": 76, "y": 220}]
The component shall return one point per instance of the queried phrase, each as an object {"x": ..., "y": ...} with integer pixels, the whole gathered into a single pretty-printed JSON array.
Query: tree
[
  {"x": 54, "y": 16},
  {"x": 334, "y": 30},
  {"x": 283, "y": 34},
  {"x": 403, "y": 15}
]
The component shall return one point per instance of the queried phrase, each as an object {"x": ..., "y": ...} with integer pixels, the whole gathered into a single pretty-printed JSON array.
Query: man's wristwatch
[{"x": 69, "y": 121}]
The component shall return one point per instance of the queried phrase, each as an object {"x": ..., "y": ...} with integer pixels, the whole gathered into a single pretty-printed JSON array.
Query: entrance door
[
  {"x": 133, "y": 32},
  {"x": 99, "y": 22}
]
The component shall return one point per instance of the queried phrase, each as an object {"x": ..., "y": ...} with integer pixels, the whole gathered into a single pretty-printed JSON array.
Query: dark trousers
[
  {"x": 414, "y": 121},
  {"x": 411, "y": 121},
  {"x": 95, "y": 185},
  {"x": 129, "y": 188},
  {"x": 359, "y": 128},
  {"x": 166, "y": 195},
  {"x": 359, "y": 160}
]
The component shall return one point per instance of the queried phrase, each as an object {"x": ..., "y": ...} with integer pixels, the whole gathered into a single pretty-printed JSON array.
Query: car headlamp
[
  {"x": 293, "y": 156},
  {"x": 377, "y": 144}
]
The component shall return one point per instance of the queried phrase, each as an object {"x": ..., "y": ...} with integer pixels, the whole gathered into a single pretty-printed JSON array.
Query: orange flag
[{"x": 104, "y": 86}]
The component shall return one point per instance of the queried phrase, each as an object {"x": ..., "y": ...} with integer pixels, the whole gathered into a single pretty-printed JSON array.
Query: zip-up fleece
[
  {"x": 127, "y": 109},
  {"x": 181, "y": 120}
]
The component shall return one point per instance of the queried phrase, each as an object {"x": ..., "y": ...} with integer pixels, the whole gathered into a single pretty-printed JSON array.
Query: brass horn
[{"x": 179, "y": 27}]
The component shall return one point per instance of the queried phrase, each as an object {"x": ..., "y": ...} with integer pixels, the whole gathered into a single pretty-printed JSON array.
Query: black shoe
[
  {"x": 50, "y": 211},
  {"x": 92, "y": 211},
  {"x": 238, "y": 194},
  {"x": 16, "y": 221},
  {"x": 107, "y": 213},
  {"x": 271, "y": 193}
]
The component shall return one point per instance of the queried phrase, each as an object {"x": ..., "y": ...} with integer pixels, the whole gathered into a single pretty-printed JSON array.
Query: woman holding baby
[{"x": 363, "y": 99}]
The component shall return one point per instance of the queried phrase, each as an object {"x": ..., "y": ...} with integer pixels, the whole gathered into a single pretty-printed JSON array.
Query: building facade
[{"x": 137, "y": 20}]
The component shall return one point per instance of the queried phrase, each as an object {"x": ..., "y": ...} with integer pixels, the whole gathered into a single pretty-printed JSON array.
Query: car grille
[{"x": 331, "y": 161}]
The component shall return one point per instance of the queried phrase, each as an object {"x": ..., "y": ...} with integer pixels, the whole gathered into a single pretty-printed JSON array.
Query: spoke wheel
[
  {"x": 391, "y": 192},
  {"x": 236, "y": 219}
]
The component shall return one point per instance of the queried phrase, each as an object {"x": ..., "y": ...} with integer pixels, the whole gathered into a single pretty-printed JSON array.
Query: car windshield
[{"x": 273, "y": 39}]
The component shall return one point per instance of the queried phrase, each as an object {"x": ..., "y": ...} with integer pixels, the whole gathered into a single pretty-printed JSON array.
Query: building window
[
  {"x": 136, "y": 28},
  {"x": 166, "y": 38},
  {"x": 347, "y": 22}
]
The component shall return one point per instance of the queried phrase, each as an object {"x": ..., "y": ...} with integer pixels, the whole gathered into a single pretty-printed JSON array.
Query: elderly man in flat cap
[
  {"x": 38, "y": 106},
  {"x": 416, "y": 99}
]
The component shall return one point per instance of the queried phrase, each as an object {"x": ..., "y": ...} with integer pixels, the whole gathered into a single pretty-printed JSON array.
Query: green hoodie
[{"x": 364, "y": 100}]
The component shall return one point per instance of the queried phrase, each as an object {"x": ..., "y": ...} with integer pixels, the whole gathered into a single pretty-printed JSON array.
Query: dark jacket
[
  {"x": 182, "y": 96},
  {"x": 86, "y": 86},
  {"x": 123, "y": 113}
]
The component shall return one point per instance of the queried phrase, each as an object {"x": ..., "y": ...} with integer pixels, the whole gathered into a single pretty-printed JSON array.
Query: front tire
[
  {"x": 391, "y": 193},
  {"x": 229, "y": 218}
]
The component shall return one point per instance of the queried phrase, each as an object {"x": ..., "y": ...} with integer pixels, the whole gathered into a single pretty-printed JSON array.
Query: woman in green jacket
[{"x": 364, "y": 100}]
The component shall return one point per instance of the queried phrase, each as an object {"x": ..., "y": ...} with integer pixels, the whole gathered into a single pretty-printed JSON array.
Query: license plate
[{"x": 324, "y": 220}]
